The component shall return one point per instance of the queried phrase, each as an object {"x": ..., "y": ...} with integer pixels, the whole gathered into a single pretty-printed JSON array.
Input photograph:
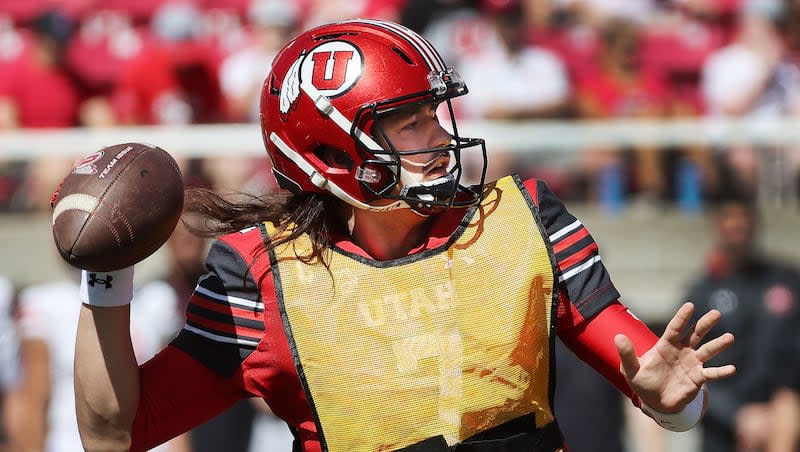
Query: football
[{"x": 117, "y": 206}]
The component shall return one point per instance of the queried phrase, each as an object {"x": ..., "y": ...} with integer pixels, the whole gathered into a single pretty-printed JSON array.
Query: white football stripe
[{"x": 78, "y": 201}]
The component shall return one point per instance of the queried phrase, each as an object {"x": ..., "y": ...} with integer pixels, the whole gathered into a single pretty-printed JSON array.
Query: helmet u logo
[{"x": 330, "y": 69}]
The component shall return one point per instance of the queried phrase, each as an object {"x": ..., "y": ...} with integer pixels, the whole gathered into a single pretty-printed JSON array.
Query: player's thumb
[{"x": 629, "y": 363}]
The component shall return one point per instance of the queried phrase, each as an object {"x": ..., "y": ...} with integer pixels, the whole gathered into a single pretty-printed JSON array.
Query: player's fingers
[
  {"x": 718, "y": 373},
  {"x": 674, "y": 331},
  {"x": 714, "y": 347},
  {"x": 699, "y": 330},
  {"x": 629, "y": 363}
]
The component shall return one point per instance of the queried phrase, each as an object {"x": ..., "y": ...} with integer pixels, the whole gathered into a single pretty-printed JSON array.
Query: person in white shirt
[
  {"x": 9, "y": 358},
  {"x": 47, "y": 328}
]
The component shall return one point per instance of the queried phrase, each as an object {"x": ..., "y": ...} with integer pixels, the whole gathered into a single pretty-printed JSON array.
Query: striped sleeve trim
[
  {"x": 565, "y": 230},
  {"x": 584, "y": 266},
  {"x": 575, "y": 250},
  {"x": 580, "y": 271},
  {"x": 229, "y": 300},
  {"x": 226, "y": 305},
  {"x": 220, "y": 338}
]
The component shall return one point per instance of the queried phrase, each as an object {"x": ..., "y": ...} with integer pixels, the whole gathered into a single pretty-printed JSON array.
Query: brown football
[{"x": 117, "y": 206}]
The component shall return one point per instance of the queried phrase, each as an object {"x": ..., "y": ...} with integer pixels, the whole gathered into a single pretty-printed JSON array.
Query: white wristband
[
  {"x": 684, "y": 419},
  {"x": 107, "y": 289}
]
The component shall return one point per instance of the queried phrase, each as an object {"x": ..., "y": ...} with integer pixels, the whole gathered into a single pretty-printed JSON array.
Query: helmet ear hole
[{"x": 334, "y": 158}]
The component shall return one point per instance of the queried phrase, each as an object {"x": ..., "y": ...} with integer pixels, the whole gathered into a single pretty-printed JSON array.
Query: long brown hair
[{"x": 293, "y": 215}]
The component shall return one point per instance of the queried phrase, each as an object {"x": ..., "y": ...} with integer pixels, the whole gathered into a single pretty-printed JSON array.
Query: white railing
[{"x": 534, "y": 136}]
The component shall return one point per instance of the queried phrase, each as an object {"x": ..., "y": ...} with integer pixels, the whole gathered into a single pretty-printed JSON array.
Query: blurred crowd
[{"x": 100, "y": 63}]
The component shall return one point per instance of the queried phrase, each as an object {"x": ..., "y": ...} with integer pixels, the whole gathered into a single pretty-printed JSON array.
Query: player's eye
[{"x": 410, "y": 125}]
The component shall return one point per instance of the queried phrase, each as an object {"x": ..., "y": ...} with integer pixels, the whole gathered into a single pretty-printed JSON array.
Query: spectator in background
[
  {"x": 620, "y": 87},
  {"x": 601, "y": 11},
  {"x": 37, "y": 92},
  {"x": 456, "y": 27},
  {"x": 758, "y": 299},
  {"x": 9, "y": 363},
  {"x": 170, "y": 81},
  {"x": 421, "y": 15},
  {"x": 24, "y": 84},
  {"x": 510, "y": 79},
  {"x": 753, "y": 77},
  {"x": 785, "y": 405},
  {"x": 241, "y": 77},
  {"x": 241, "y": 74}
]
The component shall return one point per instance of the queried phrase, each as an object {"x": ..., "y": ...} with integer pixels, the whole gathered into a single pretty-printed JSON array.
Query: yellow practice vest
[{"x": 451, "y": 341}]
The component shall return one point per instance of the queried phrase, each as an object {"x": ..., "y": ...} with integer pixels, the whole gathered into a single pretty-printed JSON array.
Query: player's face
[{"x": 419, "y": 128}]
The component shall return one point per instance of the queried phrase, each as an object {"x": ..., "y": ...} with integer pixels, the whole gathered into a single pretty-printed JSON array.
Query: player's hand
[{"x": 670, "y": 374}]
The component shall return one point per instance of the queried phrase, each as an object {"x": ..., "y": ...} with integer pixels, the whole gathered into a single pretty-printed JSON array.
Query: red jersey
[{"x": 234, "y": 343}]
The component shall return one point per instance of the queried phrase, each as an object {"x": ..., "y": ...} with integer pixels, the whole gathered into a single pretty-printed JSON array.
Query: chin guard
[{"x": 438, "y": 192}]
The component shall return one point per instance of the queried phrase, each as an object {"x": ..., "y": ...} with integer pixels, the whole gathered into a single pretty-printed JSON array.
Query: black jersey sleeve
[
  {"x": 225, "y": 315},
  {"x": 580, "y": 271}
]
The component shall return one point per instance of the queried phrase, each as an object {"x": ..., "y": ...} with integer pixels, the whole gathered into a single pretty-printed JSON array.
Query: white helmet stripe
[
  {"x": 431, "y": 56},
  {"x": 421, "y": 41},
  {"x": 325, "y": 107},
  {"x": 435, "y": 61},
  {"x": 418, "y": 41}
]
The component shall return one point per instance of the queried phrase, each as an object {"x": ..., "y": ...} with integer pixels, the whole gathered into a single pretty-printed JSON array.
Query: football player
[{"x": 381, "y": 302}]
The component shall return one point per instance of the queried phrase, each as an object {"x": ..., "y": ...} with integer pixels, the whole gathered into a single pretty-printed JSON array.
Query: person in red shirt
[
  {"x": 172, "y": 79},
  {"x": 377, "y": 303},
  {"x": 38, "y": 87},
  {"x": 619, "y": 86},
  {"x": 37, "y": 92}
]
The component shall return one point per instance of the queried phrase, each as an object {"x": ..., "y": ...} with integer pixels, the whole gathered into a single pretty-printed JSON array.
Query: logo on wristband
[{"x": 93, "y": 279}]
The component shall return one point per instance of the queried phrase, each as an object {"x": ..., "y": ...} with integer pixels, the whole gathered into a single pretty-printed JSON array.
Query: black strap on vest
[{"x": 513, "y": 436}]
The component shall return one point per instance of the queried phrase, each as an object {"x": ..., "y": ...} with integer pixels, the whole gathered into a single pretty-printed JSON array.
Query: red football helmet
[{"x": 326, "y": 90}]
